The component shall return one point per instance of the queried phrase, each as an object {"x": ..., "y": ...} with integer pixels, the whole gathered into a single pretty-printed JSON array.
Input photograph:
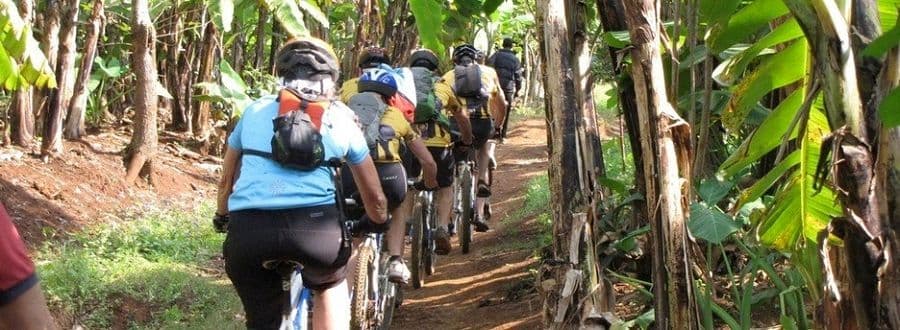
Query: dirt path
[{"x": 491, "y": 287}]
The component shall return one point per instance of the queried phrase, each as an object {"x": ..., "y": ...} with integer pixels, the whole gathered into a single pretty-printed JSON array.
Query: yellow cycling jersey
[
  {"x": 394, "y": 128},
  {"x": 489, "y": 81},
  {"x": 349, "y": 88}
]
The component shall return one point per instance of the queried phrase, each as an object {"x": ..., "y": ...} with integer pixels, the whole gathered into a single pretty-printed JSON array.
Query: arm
[
  {"x": 28, "y": 311},
  {"x": 366, "y": 178},
  {"x": 226, "y": 182},
  {"x": 429, "y": 167},
  {"x": 445, "y": 93}
]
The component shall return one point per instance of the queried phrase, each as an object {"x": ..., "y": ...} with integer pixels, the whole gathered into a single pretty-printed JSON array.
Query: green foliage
[
  {"x": 232, "y": 92},
  {"x": 21, "y": 60},
  {"x": 745, "y": 22},
  {"x": 157, "y": 265},
  {"x": 881, "y": 45},
  {"x": 888, "y": 109},
  {"x": 427, "y": 12},
  {"x": 288, "y": 13},
  {"x": 711, "y": 224}
]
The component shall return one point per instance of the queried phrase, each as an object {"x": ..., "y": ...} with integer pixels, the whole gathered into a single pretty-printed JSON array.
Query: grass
[
  {"x": 160, "y": 270},
  {"x": 537, "y": 205}
]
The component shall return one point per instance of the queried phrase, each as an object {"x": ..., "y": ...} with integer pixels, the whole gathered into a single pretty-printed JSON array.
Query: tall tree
[
  {"x": 140, "y": 152},
  {"x": 59, "y": 98},
  {"x": 665, "y": 142},
  {"x": 21, "y": 109},
  {"x": 78, "y": 103},
  {"x": 209, "y": 51}
]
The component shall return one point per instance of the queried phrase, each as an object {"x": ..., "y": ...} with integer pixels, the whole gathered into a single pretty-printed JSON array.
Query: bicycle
[
  {"x": 464, "y": 199},
  {"x": 372, "y": 297},
  {"x": 423, "y": 221}
]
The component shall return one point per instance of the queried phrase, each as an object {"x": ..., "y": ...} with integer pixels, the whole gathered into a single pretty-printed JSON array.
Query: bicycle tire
[
  {"x": 389, "y": 306},
  {"x": 428, "y": 242},
  {"x": 359, "y": 307},
  {"x": 416, "y": 260},
  {"x": 468, "y": 209}
]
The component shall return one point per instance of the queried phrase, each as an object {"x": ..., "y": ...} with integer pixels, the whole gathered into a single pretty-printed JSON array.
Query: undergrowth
[
  {"x": 160, "y": 270},
  {"x": 536, "y": 205}
]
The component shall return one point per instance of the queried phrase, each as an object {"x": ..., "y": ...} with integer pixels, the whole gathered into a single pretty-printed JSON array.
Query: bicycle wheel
[
  {"x": 359, "y": 304},
  {"x": 467, "y": 202},
  {"x": 428, "y": 243},
  {"x": 389, "y": 294},
  {"x": 416, "y": 260}
]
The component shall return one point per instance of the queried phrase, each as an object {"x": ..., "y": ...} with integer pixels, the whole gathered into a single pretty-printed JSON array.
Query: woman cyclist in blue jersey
[{"x": 277, "y": 211}]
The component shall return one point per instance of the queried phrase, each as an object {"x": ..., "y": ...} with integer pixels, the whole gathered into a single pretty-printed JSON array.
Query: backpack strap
[{"x": 259, "y": 153}]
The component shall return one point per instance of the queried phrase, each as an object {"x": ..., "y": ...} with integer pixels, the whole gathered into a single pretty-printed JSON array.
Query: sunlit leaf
[
  {"x": 766, "y": 137},
  {"x": 779, "y": 70},
  {"x": 730, "y": 70},
  {"x": 314, "y": 11},
  {"x": 428, "y": 15},
  {"x": 883, "y": 43},
  {"x": 223, "y": 13},
  {"x": 747, "y": 21},
  {"x": 287, "y": 12}
]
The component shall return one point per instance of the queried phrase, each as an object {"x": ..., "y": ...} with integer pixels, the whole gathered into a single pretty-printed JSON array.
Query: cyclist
[
  {"x": 435, "y": 128},
  {"x": 509, "y": 70},
  {"x": 394, "y": 131},
  {"x": 22, "y": 304},
  {"x": 280, "y": 212},
  {"x": 370, "y": 58},
  {"x": 471, "y": 91}
]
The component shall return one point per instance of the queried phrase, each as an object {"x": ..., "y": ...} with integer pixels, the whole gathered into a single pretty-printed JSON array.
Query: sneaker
[
  {"x": 492, "y": 163},
  {"x": 442, "y": 241},
  {"x": 483, "y": 189},
  {"x": 480, "y": 225},
  {"x": 397, "y": 271},
  {"x": 451, "y": 229}
]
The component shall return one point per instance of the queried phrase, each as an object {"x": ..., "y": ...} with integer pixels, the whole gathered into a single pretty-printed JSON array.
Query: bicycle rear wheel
[
  {"x": 359, "y": 304},
  {"x": 467, "y": 202},
  {"x": 428, "y": 243},
  {"x": 416, "y": 260}
]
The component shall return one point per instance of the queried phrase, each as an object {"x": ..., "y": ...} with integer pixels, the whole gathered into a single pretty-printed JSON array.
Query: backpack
[
  {"x": 296, "y": 142},
  {"x": 369, "y": 108},
  {"x": 468, "y": 85},
  {"x": 428, "y": 105}
]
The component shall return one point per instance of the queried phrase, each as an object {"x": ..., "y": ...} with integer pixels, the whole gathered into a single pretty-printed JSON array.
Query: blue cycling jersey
[{"x": 265, "y": 184}]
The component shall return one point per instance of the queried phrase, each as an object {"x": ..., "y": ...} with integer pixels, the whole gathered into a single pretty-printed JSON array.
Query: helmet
[
  {"x": 372, "y": 56},
  {"x": 479, "y": 57},
  {"x": 306, "y": 58},
  {"x": 424, "y": 58},
  {"x": 463, "y": 51},
  {"x": 379, "y": 80}
]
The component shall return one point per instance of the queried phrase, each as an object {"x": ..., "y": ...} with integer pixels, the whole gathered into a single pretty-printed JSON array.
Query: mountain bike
[
  {"x": 296, "y": 307},
  {"x": 422, "y": 221},
  {"x": 464, "y": 198},
  {"x": 372, "y": 297}
]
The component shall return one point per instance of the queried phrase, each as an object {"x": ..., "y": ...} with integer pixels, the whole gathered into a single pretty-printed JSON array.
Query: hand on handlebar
[
  {"x": 424, "y": 185},
  {"x": 366, "y": 225},
  {"x": 220, "y": 223}
]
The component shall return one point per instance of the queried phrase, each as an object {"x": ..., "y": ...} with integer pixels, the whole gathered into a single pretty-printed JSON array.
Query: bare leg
[
  {"x": 482, "y": 162},
  {"x": 443, "y": 199},
  {"x": 331, "y": 308},
  {"x": 398, "y": 225},
  {"x": 28, "y": 311}
]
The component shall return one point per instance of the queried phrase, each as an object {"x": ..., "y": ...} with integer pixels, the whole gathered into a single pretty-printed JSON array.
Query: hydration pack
[
  {"x": 428, "y": 105},
  {"x": 296, "y": 142},
  {"x": 369, "y": 108},
  {"x": 468, "y": 85}
]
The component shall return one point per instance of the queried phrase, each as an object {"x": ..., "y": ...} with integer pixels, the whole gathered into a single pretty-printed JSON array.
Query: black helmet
[
  {"x": 424, "y": 58},
  {"x": 306, "y": 58},
  {"x": 372, "y": 56},
  {"x": 463, "y": 51}
]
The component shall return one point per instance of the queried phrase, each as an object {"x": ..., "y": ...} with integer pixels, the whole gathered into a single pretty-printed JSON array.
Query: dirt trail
[{"x": 491, "y": 287}]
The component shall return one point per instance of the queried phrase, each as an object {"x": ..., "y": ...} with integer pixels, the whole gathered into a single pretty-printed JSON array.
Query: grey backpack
[{"x": 369, "y": 108}]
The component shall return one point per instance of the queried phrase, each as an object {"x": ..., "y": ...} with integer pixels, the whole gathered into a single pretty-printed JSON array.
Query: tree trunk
[
  {"x": 612, "y": 17},
  {"x": 208, "y": 59},
  {"x": 140, "y": 152},
  {"x": 572, "y": 137},
  {"x": 665, "y": 141},
  {"x": 400, "y": 34},
  {"x": 50, "y": 21},
  {"x": 59, "y": 98},
  {"x": 78, "y": 104},
  {"x": 261, "y": 24},
  {"x": 888, "y": 188},
  {"x": 21, "y": 111},
  {"x": 176, "y": 75}
]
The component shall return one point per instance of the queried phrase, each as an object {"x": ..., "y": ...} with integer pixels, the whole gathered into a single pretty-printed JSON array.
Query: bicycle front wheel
[
  {"x": 467, "y": 202},
  {"x": 416, "y": 261}
]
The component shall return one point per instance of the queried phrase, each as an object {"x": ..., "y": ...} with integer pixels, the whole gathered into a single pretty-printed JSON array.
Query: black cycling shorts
[
  {"x": 482, "y": 130},
  {"x": 443, "y": 157},
  {"x": 393, "y": 183},
  {"x": 313, "y": 236}
]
